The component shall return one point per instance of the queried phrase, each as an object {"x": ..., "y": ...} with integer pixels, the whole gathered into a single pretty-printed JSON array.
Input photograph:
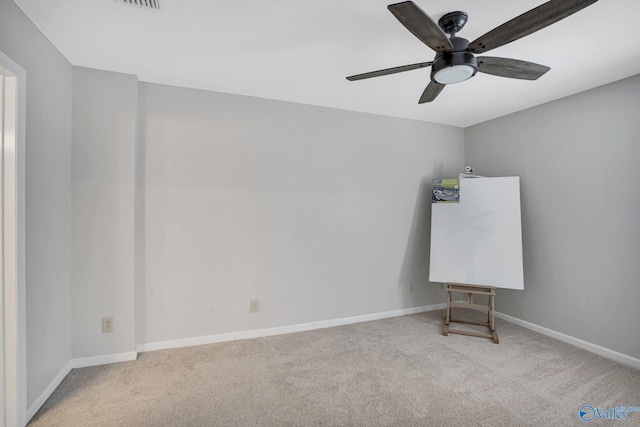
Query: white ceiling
[{"x": 302, "y": 50}]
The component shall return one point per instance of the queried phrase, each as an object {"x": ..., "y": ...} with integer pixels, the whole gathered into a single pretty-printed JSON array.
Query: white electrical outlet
[
  {"x": 254, "y": 306},
  {"x": 107, "y": 324}
]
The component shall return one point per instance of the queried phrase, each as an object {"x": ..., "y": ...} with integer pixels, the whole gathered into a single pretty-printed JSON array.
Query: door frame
[{"x": 14, "y": 330}]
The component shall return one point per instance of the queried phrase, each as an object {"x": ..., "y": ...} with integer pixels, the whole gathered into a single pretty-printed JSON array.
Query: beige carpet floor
[{"x": 394, "y": 372}]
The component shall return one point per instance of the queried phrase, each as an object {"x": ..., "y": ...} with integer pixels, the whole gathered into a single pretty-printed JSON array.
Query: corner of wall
[{"x": 105, "y": 106}]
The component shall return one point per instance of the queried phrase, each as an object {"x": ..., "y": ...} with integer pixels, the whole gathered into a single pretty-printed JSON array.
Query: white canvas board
[{"x": 478, "y": 241}]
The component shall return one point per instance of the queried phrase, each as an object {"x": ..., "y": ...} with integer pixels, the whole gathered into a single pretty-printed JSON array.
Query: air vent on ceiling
[{"x": 149, "y": 4}]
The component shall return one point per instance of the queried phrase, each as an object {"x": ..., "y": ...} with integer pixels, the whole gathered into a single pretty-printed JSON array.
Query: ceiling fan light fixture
[
  {"x": 454, "y": 67},
  {"x": 454, "y": 74}
]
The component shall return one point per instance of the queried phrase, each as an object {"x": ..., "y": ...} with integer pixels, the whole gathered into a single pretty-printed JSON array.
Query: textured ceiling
[{"x": 301, "y": 51}]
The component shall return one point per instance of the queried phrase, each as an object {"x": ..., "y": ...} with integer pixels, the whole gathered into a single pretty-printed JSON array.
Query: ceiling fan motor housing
[{"x": 455, "y": 66}]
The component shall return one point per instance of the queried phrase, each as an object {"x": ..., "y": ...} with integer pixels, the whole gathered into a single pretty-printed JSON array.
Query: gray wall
[
  {"x": 102, "y": 202},
  {"x": 318, "y": 213},
  {"x": 578, "y": 162},
  {"x": 48, "y": 147}
]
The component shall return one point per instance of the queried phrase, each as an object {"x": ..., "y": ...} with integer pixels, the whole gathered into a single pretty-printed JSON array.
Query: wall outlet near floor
[
  {"x": 254, "y": 306},
  {"x": 107, "y": 324}
]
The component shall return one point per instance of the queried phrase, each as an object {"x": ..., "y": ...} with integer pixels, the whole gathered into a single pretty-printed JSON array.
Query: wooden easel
[{"x": 472, "y": 290}]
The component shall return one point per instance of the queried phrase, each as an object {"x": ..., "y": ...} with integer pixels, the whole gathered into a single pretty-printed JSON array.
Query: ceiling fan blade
[
  {"x": 421, "y": 25},
  {"x": 528, "y": 23},
  {"x": 388, "y": 71},
  {"x": 511, "y": 68},
  {"x": 431, "y": 92}
]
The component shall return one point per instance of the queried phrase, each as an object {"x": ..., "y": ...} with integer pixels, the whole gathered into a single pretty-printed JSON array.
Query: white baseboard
[
  {"x": 49, "y": 390},
  {"x": 267, "y": 332},
  {"x": 84, "y": 362},
  {"x": 585, "y": 345}
]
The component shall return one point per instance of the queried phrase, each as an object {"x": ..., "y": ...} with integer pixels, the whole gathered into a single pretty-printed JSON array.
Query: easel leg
[
  {"x": 445, "y": 331},
  {"x": 492, "y": 304}
]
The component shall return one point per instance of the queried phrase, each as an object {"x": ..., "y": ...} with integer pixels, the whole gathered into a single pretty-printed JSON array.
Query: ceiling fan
[{"x": 456, "y": 60}]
